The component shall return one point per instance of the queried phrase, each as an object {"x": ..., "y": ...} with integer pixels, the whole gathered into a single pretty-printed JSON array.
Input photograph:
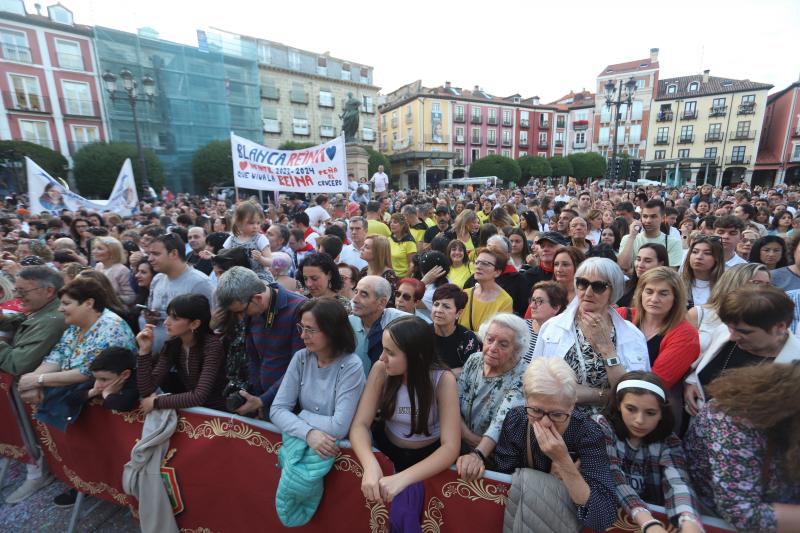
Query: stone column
[{"x": 357, "y": 161}]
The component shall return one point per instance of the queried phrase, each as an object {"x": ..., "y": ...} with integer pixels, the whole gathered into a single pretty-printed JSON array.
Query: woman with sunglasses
[
  {"x": 703, "y": 266},
  {"x": 597, "y": 343},
  {"x": 548, "y": 299},
  {"x": 745, "y": 246},
  {"x": 408, "y": 294},
  {"x": 549, "y": 434}
]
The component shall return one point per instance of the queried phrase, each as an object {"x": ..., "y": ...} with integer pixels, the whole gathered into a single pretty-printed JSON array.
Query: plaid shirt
[
  {"x": 654, "y": 472},
  {"x": 270, "y": 349}
]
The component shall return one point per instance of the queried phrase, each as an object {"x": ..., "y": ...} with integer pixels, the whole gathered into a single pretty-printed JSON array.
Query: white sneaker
[{"x": 28, "y": 487}]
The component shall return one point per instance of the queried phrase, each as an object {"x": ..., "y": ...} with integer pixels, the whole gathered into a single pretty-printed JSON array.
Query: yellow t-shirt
[
  {"x": 400, "y": 251},
  {"x": 477, "y": 312},
  {"x": 379, "y": 228},
  {"x": 515, "y": 218},
  {"x": 483, "y": 217},
  {"x": 460, "y": 275},
  {"x": 418, "y": 233}
]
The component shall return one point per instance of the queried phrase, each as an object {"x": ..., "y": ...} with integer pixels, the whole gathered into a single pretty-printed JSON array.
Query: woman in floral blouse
[
  {"x": 489, "y": 385},
  {"x": 743, "y": 448}
]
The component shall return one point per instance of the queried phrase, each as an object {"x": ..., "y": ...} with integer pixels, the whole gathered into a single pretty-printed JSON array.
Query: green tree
[
  {"x": 51, "y": 161},
  {"x": 532, "y": 166},
  {"x": 211, "y": 165},
  {"x": 505, "y": 168},
  {"x": 97, "y": 167},
  {"x": 561, "y": 166},
  {"x": 377, "y": 159},
  {"x": 587, "y": 165},
  {"x": 293, "y": 145}
]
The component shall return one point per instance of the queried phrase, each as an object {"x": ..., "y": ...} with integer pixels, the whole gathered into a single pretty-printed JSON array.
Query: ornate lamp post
[
  {"x": 612, "y": 87},
  {"x": 129, "y": 92}
]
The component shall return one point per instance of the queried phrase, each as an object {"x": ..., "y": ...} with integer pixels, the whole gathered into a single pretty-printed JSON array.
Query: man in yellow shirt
[{"x": 374, "y": 223}]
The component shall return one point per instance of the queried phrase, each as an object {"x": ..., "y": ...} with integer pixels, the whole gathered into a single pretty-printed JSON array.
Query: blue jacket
[{"x": 300, "y": 488}]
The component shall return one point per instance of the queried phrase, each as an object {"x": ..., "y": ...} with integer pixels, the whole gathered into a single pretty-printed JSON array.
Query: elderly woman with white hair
[
  {"x": 281, "y": 268},
  {"x": 490, "y": 383},
  {"x": 597, "y": 343},
  {"x": 550, "y": 435}
]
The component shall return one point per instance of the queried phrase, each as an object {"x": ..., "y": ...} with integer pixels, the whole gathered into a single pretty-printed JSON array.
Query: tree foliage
[
  {"x": 377, "y": 159},
  {"x": 294, "y": 145},
  {"x": 587, "y": 165},
  {"x": 561, "y": 166},
  {"x": 505, "y": 168},
  {"x": 532, "y": 166},
  {"x": 212, "y": 165},
  {"x": 51, "y": 161},
  {"x": 97, "y": 166}
]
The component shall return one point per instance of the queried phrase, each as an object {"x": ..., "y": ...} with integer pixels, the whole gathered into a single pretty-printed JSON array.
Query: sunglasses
[
  {"x": 598, "y": 287},
  {"x": 403, "y": 296}
]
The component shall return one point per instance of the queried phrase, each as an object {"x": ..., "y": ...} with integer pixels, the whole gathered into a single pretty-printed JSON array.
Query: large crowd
[{"x": 635, "y": 346}]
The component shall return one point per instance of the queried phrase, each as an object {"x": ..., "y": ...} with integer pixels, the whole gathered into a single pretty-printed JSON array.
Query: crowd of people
[{"x": 636, "y": 347}]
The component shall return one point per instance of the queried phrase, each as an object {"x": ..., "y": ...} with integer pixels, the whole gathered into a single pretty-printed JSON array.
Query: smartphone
[{"x": 142, "y": 307}]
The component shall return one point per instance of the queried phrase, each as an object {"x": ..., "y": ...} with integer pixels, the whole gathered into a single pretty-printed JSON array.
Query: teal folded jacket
[{"x": 301, "y": 484}]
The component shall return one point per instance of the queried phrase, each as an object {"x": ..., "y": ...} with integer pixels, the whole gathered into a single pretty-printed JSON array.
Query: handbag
[{"x": 538, "y": 501}]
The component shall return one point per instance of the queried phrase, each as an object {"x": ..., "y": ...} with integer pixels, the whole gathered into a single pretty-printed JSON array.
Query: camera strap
[{"x": 269, "y": 316}]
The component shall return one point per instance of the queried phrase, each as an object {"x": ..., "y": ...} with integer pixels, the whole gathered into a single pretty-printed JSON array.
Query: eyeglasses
[
  {"x": 403, "y": 296},
  {"x": 482, "y": 263},
  {"x": 23, "y": 293},
  {"x": 598, "y": 287},
  {"x": 539, "y": 301},
  {"x": 538, "y": 414},
  {"x": 308, "y": 331}
]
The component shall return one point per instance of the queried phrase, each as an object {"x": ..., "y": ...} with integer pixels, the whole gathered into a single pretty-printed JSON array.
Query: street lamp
[
  {"x": 611, "y": 87},
  {"x": 129, "y": 86}
]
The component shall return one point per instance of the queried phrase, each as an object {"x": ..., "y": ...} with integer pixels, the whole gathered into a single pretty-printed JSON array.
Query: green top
[{"x": 34, "y": 337}]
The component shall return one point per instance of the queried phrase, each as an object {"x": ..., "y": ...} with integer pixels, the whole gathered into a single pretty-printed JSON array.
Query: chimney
[
  {"x": 535, "y": 100},
  {"x": 447, "y": 85},
  {"x": 476, "y": 89},
  {"x": 653, "y": 55},
  {"x": 38, "y": 7},
  {"x": 705, "y": 75}
]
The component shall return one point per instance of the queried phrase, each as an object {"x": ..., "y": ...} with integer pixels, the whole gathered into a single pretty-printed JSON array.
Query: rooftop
[
  {"x": 714, "y": 85},
  {"x": 630, "y": 66}
]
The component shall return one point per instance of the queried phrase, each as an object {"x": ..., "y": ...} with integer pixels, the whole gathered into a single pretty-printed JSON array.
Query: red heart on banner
[{"x": 242, "y": 165}]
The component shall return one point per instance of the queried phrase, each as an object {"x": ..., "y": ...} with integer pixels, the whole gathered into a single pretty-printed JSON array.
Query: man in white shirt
[
  {"x": 729, "y": 229},
  {"x": 318, "y": 214},
  {"x": 646, "y": 231},
  {"x": 380, "y": 181},
  {"x": 562, "y": 195}
]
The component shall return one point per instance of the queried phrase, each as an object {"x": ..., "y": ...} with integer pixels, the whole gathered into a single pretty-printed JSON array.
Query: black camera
[{"x": 234, "y": 400}]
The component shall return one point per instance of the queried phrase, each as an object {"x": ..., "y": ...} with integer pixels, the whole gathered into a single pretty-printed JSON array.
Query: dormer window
[
  {"x": 13, "y": 6},
  {"x": 60, "y": 14},
  {"x": 693, "y": 86},
  {"x": 672, "y": 88}
]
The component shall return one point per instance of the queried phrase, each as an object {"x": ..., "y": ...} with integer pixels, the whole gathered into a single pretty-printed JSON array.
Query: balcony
[
  {"x": 737, "y": 160},
  {"x": 476, "y": 119},
  {"x": 79, "y": 108},
  {"x": 579, "y": 144},
  {"x": 41, "y": 141},
  {"x": 69, "y": 61},
  {"x": 298, "y": 97},
  {"x": 506, "y": 142},
  {"x": 507, "y": 123},
  {"x": 542, "y": 145},
  {"x": 747, "y": 109},
  {"x": 458, "y": 117},
  {"x": 401, "y": 144},
  {"x": 580, "y": 125},
  {"x": 686, "y": 139},
  {"x": 665, "y": 116},
  {"x": 742, "y": 135},
  {"x": 523, "y": 143},
  {"x": 524, "y": 123},
  {"x": 715, "y": 136},
  {"x": 29, "y": 103},
  {"x": 326, "y": 101},
  {"x": 459, "y": 139},
  {"x": 20, "y": 54},
  {"x": 543, "y": 125},
  {"x": 270, "y": 93},
  {"x": 271, "y": 125},
  {"x": 475, "y": 139},
  {"x": 661, "y": 141},
  {"x": 492, "y": 120},
  {"x": 718, "y": 111},
  {"x": 490, "y": 141},
  {"x": 559, "y": 143},
  {"x": 689, "y": 114},
  {"x": 327, "y": 132}
]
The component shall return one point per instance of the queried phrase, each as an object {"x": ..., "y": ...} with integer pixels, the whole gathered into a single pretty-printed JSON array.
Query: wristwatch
[
  {"x": 611, "y": 361},
  {"x": 40, "y": 379}
]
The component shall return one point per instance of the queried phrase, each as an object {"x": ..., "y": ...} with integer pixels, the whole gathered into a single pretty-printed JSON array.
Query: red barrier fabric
[
  {"x": 226, "y": 473},
  {"x": 11, "y": 443}
]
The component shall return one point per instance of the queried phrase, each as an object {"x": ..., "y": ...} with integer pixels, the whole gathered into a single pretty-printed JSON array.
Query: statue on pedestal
[{"x": 350, "y": 118}]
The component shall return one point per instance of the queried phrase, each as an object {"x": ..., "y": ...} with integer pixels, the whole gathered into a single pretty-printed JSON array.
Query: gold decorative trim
[
  {"x": 346, "y": 463},
  {"x": 14, "y": 452},
  {"x": 196, "y": 530},
  {"x": 432, "y": 519},
  {"x": 476, "y": 490},
  {"x": 229, "y": 429},
  {"x": 47, "y": 440},
  {"x": 626, "y": 523},
  {"x": 93, "y": 488},
  {"x": 137, "y": 415},
  {"x": 378, "y": 516}
]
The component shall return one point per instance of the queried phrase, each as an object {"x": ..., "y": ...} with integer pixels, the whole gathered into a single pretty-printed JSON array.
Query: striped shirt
[{"x": 270, "y": 349}]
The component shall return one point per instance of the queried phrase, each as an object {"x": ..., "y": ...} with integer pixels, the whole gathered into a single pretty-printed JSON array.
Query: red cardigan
[{"x": 679, "y": 348}]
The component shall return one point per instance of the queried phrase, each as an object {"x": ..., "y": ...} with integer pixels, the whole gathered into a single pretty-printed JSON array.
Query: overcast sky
[{"x": 539, "y": 47}]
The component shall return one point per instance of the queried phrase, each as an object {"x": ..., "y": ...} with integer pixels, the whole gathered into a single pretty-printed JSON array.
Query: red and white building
[
  {"x": 580, "y": 120},
  {"x": 50, "y": 87},
  {"x": 778, "y": 158}
]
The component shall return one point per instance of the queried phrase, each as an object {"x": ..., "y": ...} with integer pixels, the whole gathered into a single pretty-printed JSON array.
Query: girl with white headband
[{"x": 646, "y": 456}]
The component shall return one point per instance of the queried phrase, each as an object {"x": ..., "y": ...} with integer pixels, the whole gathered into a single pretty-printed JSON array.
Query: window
[
  {"x": 346, "y": 72},
  {"x": 660, "y": 154},
  {"x": 603, "y": 135},
  {"x": 369, "y": 105},
  {"x": 672, "y": 88},
  {"x": 299, "y": 94},
  {"x": 490, "y": 151},
  {"x": 476, "y": 115},
  {"x": 544, "y": 120},
  {"x": 580, "y": 137},
  {"x": 542, "y": 138},
  {"x": 714, "y": 132},
  {"x": 476, "y": 136},
  {"x": 796, "y": 152},
  {"x": 693, "y": 86},
  {"x": 60, "y": 14},
  {"x": 459, "y": 113},
  {"x": 409, "y": 135},
  {"x": 749, "y": 99},
  {"x": 710, "y": 153},
  {"x": 368, "y": 134},
  {"x": 718, "y": 102},
  {"x": 459, "y": 135},
  {"x": 743, "y": 129},
  {"x": 523, "y": 138},
  {"x": 662, "y": 136},
  {"x": 36, "y": 131},
  {"x": 524, "y": 119},
  {"x": 270, "y": 121},
  {"x": 636, "y": 111},
  {"x": 690, "y": 109},
  {"x": 436, "y": 107},
  {"x": 15, "y": 46},
  {"x": 506, "y": 153},
  {"x": 737, "y": 155},
  {"x": 69, "y": 54},
  {"x": 83, "y": 135},
  {"x": 635, "y": 135},
  {"x": 492, "y": 116},
  {"x": 325, "y": 98},
  {"x": 506, "y": 117},
  {"x": 491, "y": 136},
  {"x": 322, "y": 66},
  {"x": 560, "y": 121},
  {"x": 605, "y": 114},
  {"x": 687, "y": 134},
  {"x": 639, "y": 85},
  {"x": 683, "y": 153},
  {"x": 77, "y": 98},
  {"x": 541, "y": 154},
  {"x": 476, "y": 153},
  {"x": 523, "y": 154},
  {"x": 559, "y": 138},
  {"x": 300, "y": 126},
  {"x": 27, "y": 95},
  {"x": 506, "y": 138},
  {"x": 459, "y": 156},
  {"x": 364, "y": 75}
]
